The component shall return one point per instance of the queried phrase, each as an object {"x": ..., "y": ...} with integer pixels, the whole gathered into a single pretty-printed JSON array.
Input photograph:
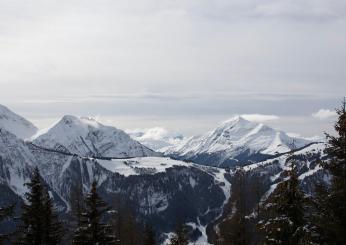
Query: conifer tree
[
  {"x": 77, "y": 203},
  {"x": 53, "y": 231},
  {"x": 235, "y": 231},
  {"x": 283, "y": 217},
  {"x": 92, "y": 230},
  {"x": 40, "y": 223},
  {"x": 149, "y": 235},
  {"x": 320, "y": 224},
  {"x": 332, "y": 211},
  {"x": 180, "y": 236},
  {"x": 5, "y": 213},
  {"x": 32, "y": 217},
  {"x": 126, "y": 227}
]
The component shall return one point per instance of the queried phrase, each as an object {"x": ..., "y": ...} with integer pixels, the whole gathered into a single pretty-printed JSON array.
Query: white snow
[
  {"x": 134, "y": 166},
  {"x": 87, "y": 137},
  {"x": 284, "y": 165},
  {"x": 193, "y": 182},
  {"x": 235, "y": 136},
  {"x": 310, "y": 172},
  {"x": 16, "y": 124},
  {"x": 317, "y": 147},
  {"x": 203, "y": 239},
  {"x": 66, "y": 165}
]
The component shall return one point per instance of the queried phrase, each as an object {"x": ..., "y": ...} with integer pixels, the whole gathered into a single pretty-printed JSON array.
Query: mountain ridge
[
  {"x": 87, "y": 137},
  {"x": 16, "y": 124},
  {"x": 235, "y": 140}
]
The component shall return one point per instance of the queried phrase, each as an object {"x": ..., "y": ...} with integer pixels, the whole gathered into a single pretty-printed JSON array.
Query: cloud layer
[
  {"x": 260, "y": 117},
  {"x": 199, "y": 61},
  {"x": 323, "y": 114}
]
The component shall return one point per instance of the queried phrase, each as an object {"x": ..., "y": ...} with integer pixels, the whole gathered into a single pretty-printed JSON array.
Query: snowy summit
[
  {"x": 235, "y": 140},
  {"x": 87, "y": 137},
  {"x": 16, "y": 124}
]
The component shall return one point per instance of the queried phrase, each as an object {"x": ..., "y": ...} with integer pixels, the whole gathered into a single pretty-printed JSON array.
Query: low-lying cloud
[
  {"x": 323, "y": 114},
  {"x": 260, "y": 117}
]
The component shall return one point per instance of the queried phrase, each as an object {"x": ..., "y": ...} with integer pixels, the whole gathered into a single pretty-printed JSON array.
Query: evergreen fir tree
[
  {"x": 53, "y": 231},
  {"x": 5, "y": 213},
  {"x": 234, "y": 230},
  {"x": 283, "y": 218},
  {"x": 127, "y": 228},
  {"x": 77, "y": 204},
  {"x": 149, "y": 235},
  {"x": 40, "y": 222},
  {"x": 92, "y": 230},
  {"x": 180, "y": 236},
  {"x": 332, "y": 214},
  {"x": 77, "y": 208},
  {"x": 32, "y": 216},
  {"x": 320, "y": 224}
]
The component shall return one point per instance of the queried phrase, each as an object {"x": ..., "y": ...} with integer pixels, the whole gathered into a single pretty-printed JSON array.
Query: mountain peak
[
  {"x": 236, "y": 120},
  {"x": 87, "y": 137},
  {"x": 236, "y": 140},
  {"x": 82, "y": 122},
  {"x": 16, "y": 124}
]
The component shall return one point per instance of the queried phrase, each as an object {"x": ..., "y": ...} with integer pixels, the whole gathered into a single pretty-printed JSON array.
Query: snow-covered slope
[
  {"x": 141, "y": 165},
  {"x": 158, "y": 139},
  {"x": 87, "y": 137},
  {"x": 236, "y": 141},
  {"x": 16, "y": 166},
  {"x": 306, "y": 162},
  {"x": 16, "y": 162},
  {"x": 16, "y": 124},
  {"x": 155, "y": 186},
  {"x": 260, "y": 180}
]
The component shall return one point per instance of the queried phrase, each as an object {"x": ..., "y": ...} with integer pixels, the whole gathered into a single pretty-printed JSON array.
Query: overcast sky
[{"x": 181, "y": 64}]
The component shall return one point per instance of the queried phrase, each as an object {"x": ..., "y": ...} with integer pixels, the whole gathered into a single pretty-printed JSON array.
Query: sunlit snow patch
[{"x": 141, "y": 165}]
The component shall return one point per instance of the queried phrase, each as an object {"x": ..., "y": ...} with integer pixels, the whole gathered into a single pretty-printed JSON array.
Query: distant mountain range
[
  {"x": 236, "y": 142},
  {"x": 161, "y": 190}
]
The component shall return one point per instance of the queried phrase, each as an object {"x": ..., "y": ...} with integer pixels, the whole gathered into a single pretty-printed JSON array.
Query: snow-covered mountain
[
  {"x": 87, "y": 137},
  {"x": 155, "y": 188},
  {"x": 17, "y": 162},
  {"x": 236, "y": 142},
  {"x": 159, "y": 189},
  {"x": 261, "y": 179},
  {"x": 158, "y": 139},
  {"x": 16, "y": 124}
]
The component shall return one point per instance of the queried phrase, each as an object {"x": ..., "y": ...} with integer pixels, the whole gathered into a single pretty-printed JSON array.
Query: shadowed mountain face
[{"x": 236, "y": 142}]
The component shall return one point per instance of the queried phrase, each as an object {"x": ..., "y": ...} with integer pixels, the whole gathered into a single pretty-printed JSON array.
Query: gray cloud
[
  {"x": 167, "y": 59},
  {"x": 324, "y": 114}
]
